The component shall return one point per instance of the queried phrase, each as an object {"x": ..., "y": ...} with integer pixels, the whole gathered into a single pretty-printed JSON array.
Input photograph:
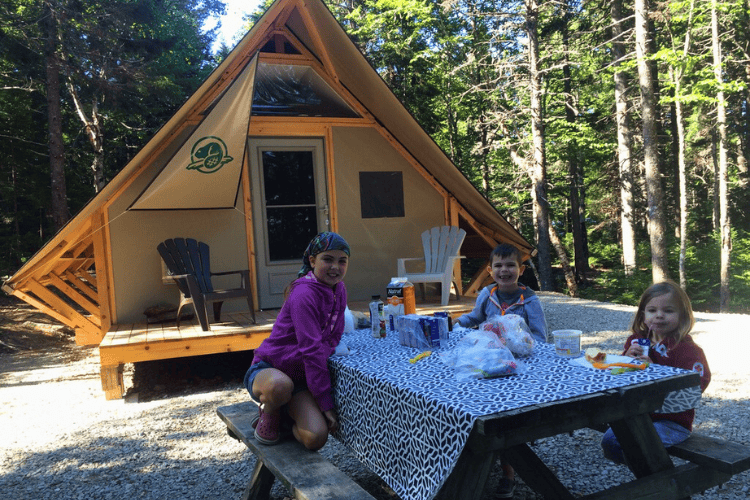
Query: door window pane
[
  {"x": 290, "y": 229},
  {"x": 288, "y": 177},
  {"x": 291, "y": 211}
]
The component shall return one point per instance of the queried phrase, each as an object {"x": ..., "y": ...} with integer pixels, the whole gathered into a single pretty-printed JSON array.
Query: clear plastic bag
[
  {"x": 480, "y": 354},
  {"x": 513, "y": 331}
]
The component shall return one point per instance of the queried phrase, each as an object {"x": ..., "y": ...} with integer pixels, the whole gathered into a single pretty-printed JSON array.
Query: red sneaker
[
  {"x": 267, "y": 429},
  {"x": 257, "y": 417}
]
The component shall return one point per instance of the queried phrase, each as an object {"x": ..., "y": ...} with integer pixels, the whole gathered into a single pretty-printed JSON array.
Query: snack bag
[
  {"x": 480, "y": 354},
  {"x": 513, "y": 331}
]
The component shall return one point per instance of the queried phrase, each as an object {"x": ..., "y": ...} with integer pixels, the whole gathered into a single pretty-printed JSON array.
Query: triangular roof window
[{"x": 296, "y": 90}]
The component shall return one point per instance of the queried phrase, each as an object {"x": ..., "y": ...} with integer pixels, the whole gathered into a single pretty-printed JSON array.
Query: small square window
[{"x": 381, "y": 194}]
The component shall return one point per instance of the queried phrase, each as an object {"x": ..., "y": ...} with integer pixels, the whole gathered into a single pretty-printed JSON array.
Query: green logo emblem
[{"x": 209, "y": 154}]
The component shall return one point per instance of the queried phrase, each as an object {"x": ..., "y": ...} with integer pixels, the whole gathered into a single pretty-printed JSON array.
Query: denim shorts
[
  {"x": 255, "y": 369},
  {"x": 669, "y": 432}
]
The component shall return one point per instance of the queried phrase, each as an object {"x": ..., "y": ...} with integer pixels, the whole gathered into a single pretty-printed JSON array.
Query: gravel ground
[{"x": 60, "y": 439}]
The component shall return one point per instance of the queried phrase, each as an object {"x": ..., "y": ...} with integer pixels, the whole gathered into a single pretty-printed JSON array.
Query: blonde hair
[{"x": 687, "y": 320}]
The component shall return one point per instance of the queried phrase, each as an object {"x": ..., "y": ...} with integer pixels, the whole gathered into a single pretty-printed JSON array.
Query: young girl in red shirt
[{"x": 665, "y": 318}]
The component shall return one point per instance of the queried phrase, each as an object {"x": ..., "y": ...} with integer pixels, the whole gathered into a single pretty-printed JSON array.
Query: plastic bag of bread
[
  {"x": 480, "y": 354},
  {"x": 513, "y": 332}
]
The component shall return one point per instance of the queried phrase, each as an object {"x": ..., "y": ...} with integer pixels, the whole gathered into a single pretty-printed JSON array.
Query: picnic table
[{"x": 426, "y": 434}]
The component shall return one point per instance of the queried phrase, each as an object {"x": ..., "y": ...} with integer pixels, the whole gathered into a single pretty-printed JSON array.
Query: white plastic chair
[{"x": 440, "y": 245}]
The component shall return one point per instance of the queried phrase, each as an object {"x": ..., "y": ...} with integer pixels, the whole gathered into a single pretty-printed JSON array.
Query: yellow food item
[{"x": 420, "y": 356}]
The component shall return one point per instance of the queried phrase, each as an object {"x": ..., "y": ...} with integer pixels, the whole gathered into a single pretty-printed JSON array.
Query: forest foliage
[{"x": 466, "y": 70}]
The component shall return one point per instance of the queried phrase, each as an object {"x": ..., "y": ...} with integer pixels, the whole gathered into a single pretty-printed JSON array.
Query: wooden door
[{"x": 290, "y": 206}]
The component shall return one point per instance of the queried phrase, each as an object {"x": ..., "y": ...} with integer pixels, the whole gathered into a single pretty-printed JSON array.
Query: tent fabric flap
[{"x": 205, "y": 172}]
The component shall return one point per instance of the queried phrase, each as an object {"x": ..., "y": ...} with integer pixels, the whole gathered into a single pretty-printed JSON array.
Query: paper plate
[{"x": 611, "y": 358}]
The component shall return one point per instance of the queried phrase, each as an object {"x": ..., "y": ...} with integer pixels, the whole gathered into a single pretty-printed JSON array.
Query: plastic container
[
  {"x": 447, "y": 316},
  {"x": 423, "y": 332},
  {"x": 567, "y": 343},
  {"x": 400, "y": 301},
  {"x": 377, "y": 317}
]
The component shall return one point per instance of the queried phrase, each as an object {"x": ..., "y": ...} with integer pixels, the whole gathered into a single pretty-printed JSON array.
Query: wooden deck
[{"x": 131, "y": 343}]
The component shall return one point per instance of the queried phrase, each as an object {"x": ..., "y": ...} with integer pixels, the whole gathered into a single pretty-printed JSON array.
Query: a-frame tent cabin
[{"x": 292, "y": 134}]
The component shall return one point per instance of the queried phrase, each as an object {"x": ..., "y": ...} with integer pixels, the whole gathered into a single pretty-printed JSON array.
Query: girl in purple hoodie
[{"x": 289, "y": 375}]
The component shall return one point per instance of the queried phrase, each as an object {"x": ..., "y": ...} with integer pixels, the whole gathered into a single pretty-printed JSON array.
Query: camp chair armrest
[
  {"x": 224, "y": 273},
  {"x": 401, "y": 264},
  {"x": 244, "y": 276},
  {"x": 178, "y": 276}
]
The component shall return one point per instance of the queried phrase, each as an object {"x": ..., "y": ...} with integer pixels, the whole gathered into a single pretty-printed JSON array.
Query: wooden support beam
[
  {"x": 314, "y": 33},
  {"x": 477, "y": 282},
  {"x": 266, "y": 126},
  {"x": 73, "y": 317},
  {"x": 81, "y": 247},
  {"x": 84, "y": 264},
  {"x": 333, "y": 210},
  {"x": 76, "y": 297},
  {"x": 484, "y": 232},
  {"x": 43, "y": 266},
  {"x": 87, "y": 338},
  {"x": 104, "y": 278},
  {"x": 83, "y": 286},
  {"x": 33, "y": 301},
  {"x": 247, "y": 205},
  {"x": 112, "y": 381},
  {"x": 452, "y": 220},
  {"x": 90, "y": 278}
]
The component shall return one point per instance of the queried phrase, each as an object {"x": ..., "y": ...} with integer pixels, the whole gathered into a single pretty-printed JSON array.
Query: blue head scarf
[{"x": 321, "y": 243}]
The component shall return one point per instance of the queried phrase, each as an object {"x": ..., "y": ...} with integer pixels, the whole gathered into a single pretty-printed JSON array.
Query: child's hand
[
  {"x": 635, "y": 351},
  {"x": 333, "y": 423}
]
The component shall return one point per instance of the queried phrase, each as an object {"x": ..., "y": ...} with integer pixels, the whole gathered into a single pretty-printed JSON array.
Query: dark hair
[
  {"x": 687, "y": 320},
  {"x": 505, "y": 250}
]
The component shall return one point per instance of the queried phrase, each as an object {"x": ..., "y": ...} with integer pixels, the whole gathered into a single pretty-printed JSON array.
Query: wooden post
[{"x": 112, "y": 381}]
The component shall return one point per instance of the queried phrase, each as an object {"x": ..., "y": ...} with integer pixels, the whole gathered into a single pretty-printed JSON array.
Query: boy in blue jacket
[
  {"x": 506, "y": 296},
  {"x": 503, "y": 297}
]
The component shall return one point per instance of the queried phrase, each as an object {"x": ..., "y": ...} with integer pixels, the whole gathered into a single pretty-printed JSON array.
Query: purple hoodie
[{"x": 305, "y": 334}]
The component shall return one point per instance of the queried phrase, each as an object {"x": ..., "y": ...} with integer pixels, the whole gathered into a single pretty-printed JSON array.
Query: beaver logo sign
[
  {"x": 208, "y": 155},
  {"x": 215, "y": 146}
]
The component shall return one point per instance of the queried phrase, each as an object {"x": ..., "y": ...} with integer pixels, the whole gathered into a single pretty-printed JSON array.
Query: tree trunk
[
  {"x": 721, "y": 123},
  {"x": 716, "y": 219},
  {"x": 570, "y": 277},
  {"x": 15, "y": 247},
  {"x": 682, "y": 176},
  {"x": 94, "y": 134},
  {"x": 575, "y": 176},
  {"x": 624, "y": 143},
  {"x": 59, "y": 196},
  {"x": 682, "y": 169},
  {"x": 649, "y": 112},
  {"x": 538, "y": 172},
  {"x": 743, "y": 145}
]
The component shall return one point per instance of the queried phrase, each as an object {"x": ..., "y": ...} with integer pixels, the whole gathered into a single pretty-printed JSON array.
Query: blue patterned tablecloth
[{"x": 409, "y": 422}]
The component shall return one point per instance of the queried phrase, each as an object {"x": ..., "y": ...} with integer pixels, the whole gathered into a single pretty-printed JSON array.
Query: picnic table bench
[
  {"x": 712, "y": 462},
  {"x": 307, "y": 475}
]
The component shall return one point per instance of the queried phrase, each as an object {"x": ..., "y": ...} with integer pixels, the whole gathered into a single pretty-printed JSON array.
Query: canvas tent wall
[{"x": 102, "y": 268}]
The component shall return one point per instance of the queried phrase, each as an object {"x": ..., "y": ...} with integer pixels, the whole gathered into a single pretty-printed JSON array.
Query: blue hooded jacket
[{"x": 528, "y": 306}]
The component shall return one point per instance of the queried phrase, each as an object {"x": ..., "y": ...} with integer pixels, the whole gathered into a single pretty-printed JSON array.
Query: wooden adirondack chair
[
  {"x": 440, "y": 245},
  {"x": 189, "y": 264}
]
